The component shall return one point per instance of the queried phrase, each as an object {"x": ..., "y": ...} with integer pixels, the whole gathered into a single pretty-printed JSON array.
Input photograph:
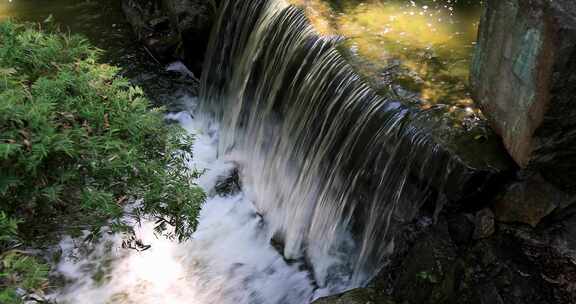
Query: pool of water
[{"x": 424, "y": 46}]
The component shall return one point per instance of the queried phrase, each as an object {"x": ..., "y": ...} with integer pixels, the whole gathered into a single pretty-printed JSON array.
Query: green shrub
[
  {"x": 77, "y": 142},
  {"x": 18, "y": 270}
]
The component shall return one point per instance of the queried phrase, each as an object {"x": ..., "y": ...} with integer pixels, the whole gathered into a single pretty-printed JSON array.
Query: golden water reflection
[{"x": 423, "y": 46}]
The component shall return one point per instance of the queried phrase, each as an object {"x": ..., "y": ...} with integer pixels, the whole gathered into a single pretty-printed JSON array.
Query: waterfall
[
  {"x": 336, "y": 169},
  {"x": 333, "y": 176}
]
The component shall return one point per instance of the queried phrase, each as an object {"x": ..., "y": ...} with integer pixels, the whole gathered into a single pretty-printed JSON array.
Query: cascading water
[
  {"x": 332, "y": 163},
  {"x": 228, "y": 260},
  {"x": 330, "y": 172}
]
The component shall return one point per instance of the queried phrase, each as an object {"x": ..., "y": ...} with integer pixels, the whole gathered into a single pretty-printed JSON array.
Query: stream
[
  {"x": 312, "y": 217},
  {"x": 228, "y": 260}
]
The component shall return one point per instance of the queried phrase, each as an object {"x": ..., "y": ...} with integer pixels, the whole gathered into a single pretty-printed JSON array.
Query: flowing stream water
[
  {"x": 330, "y": 170},
  {"x": 228, "y": 260}
]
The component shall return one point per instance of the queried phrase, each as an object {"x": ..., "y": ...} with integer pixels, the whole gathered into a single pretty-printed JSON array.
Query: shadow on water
[{"x": 101, "y": 21}]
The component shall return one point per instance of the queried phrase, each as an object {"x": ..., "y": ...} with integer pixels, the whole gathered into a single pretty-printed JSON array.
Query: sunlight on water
[
  {"x": 424, "y": 46},
  {"x": 229, "y": 259},
  {"x": 5, "y": 9}
]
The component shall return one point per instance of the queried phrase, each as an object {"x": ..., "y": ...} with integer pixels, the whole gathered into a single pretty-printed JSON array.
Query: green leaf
[
  {"x": 6, "y": 150},
  {"x": 8, "y": 71},
  {"x": 7, "y": 181}
]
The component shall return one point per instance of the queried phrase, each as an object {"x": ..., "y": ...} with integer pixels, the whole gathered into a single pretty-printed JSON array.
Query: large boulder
[{"x": 524, "y": 79}]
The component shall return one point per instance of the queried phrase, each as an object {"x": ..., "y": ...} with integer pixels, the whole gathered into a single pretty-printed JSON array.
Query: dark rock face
[
  {"x": 425, "y": 267},
  {"x": 514, "y": 265},
  {"x": 151, "y": 26},
  {"x": 517, "y": 265},
  {"x": 356, "y": 296},
  {"x": 524, "y": 78},
  {"x": 173, "y": 29},
  {"x": 192, "y": 20}
]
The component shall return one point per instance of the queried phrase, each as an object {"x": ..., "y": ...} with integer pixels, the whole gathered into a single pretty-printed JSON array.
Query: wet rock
[
  {"x": 520, "y": 266},
  {"x": 152, "y": 27},
  {"x": 560, "y": 228},
  {"x": 461, "y": 228},
  {"x": 514, "y": 265},
  {"x": 493, "y": 271},
  {"x": 425, "y": 267},
  {"x": 477, "y": 160},
  {"x": 29, "y": 297},
  {"x": 173, "y": 29},
  {"x": 528, "y": 201},
  {"x": 229, "y": 185},
  {"x": 484, "y": 224},
  {"x": 192, "y": 20},
  {"x": 524, "y": 78},
  {"x": 357, "y": 296}
]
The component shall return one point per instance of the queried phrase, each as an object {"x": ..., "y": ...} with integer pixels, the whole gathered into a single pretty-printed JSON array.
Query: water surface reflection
[{"x": 424, "y": 46}]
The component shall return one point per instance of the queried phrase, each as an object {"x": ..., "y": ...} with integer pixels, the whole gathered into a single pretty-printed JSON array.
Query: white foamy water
[{"x": 229, "y": 259}]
